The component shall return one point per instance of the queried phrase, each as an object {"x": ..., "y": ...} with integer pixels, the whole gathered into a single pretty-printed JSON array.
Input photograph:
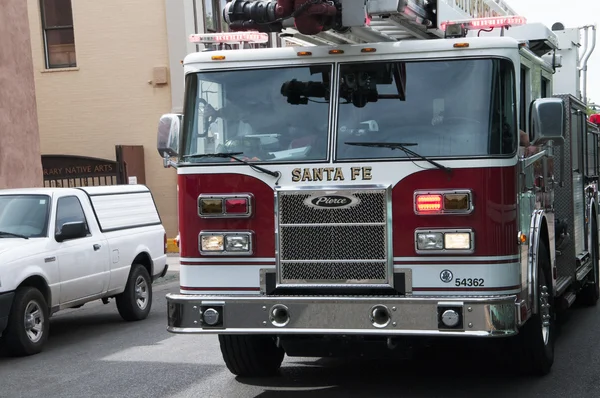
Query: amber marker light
[
  {"x": 304, "y": 53},
  {"x": 522, "y": 238},
  {"x": 217, "y": 57},
  {"x": 211, "y": 206},
  {"x": 456, "y": 201}
]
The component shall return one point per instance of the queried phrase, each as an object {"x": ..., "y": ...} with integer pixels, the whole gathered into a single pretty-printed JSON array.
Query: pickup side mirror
[
  {"x": 71, "y": 230},
  {"x": 167, "y": 144},
  {"x": 547, "y": 121}
]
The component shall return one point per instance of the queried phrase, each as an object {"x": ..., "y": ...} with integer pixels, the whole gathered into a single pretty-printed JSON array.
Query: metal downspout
[{"x": 588, "y": 52}]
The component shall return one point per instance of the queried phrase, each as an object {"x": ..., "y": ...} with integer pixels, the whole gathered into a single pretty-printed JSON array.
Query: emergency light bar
[
  {"x": 229, "y": 37},
  {"x": 486, "y": 23}
]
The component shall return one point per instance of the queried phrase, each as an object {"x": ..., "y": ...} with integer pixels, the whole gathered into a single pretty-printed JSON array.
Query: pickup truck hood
[{"x": 12, "y": 249}]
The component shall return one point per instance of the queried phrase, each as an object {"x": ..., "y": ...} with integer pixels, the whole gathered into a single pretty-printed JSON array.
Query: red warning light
[
  {"x": 429, "y": 203},
  {"x": 236, "y": 206},
  {"x": 487, "y": 23}
]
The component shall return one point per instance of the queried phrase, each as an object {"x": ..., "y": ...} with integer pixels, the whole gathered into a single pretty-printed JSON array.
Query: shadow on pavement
[
  {"x": 92, "y": 352},
  {"x": 448, "y": 369}
]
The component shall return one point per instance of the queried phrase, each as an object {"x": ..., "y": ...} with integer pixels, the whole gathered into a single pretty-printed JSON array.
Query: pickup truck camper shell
[{"x": 63, "y": 247}]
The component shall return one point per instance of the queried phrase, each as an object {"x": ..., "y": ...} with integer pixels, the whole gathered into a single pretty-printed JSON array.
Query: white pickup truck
[{"x": 63, "y": 247}]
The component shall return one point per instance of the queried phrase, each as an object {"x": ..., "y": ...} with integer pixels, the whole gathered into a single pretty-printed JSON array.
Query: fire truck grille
[
  {"x": 372, "y": 209},
  {"x": 326, "y": 272},
  {"x": 332, "y": 244},
  {"x": 329, "y": 242}
]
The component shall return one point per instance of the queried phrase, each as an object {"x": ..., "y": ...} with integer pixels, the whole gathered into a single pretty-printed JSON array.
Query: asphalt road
[{"x": 93, "y": 353}]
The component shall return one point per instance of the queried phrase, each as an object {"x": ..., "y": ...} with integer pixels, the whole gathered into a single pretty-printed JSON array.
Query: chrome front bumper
[{"x": 488, "y": 316}]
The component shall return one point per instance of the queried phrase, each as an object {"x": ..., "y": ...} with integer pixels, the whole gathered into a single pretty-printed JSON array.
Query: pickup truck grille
[{"x": 333, "y": 245}]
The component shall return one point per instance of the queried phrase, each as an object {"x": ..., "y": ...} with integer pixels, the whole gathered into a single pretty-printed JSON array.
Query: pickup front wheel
[
  {"x": 135, "y": 302},
  {"x": 28, "y": 323}
]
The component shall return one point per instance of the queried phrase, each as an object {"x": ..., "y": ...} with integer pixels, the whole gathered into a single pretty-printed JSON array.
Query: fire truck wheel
[
  {"x": 535, "y": 341},
  {"x": 135, "y": 302},
  {"x": 591, "y": 292},
  {"x": 250, "y": 355}
]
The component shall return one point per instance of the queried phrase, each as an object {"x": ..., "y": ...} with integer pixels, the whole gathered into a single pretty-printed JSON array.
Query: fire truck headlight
[
  {"x": 223, "y": 243},
  {"x": 211, "y": 243},
  {"x": 457, "y": 240},
  {"x": 237, "y": 243},
  {"x": 430, "y": 241}
]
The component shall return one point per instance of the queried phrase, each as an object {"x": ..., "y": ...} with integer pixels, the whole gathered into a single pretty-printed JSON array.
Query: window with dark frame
[
  {"x": 213, "y": 16},
  {"x": 59, "y": 37},
  {"x": 224, "y": 27},
  {"x": 68, "y": 209},
  {"x": 545, "y": 87}
]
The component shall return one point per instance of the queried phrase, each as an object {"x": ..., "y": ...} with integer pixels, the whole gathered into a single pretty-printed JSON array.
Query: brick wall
[{"x": 109, "y": 98}]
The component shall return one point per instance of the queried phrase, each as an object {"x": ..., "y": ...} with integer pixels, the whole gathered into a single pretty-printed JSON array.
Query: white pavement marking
[{"x": 175, "y": 349}]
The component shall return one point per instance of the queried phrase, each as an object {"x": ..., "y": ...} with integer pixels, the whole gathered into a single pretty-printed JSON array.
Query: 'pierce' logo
[{"x": 331, "y": 201}]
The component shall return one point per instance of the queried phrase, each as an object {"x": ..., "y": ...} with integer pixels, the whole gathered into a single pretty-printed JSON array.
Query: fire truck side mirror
[
  {"x": 169, "y": 127},
  {"x": 547, "y": 121}
]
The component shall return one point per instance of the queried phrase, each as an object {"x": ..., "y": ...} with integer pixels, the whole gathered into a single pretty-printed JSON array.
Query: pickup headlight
[
  {"x": 225, "y": 242},
  {"x": 444, "y": 241}
]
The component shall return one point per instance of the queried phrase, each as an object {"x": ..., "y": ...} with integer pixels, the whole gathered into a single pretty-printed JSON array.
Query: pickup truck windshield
[
  {"x": 25, "y": 215},
  {"x": 448, "y": 108},
  {"x": 269, "y": 115}
]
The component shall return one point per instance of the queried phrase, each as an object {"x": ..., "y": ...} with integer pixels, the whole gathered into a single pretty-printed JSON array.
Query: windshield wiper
[
  {"x": 403, "y": 147},
  {"x": 4, "y": 233},
  {"x": 232, "y": 155}
]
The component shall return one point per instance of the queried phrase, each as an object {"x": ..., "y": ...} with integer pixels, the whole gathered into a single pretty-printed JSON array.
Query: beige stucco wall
[
  {"x": 109, "y": 99},
  {"x": 20, "y": 163}
]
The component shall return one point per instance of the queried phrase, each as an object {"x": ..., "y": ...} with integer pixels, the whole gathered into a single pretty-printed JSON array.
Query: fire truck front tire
[
  {"x": 535, "y": 341},
  {"x": 251, "y": 355}
]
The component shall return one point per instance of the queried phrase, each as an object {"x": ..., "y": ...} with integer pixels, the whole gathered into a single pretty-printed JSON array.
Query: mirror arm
[{"x": 167, "y": 162}]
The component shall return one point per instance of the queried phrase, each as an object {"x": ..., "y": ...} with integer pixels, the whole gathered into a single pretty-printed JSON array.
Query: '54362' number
[{"x": 469, "y": 282}]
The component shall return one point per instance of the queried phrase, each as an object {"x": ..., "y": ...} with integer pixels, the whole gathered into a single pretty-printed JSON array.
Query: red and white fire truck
[{"x": 370, "y": 192}]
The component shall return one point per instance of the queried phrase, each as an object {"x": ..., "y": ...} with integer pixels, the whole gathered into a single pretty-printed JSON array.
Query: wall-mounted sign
[{"x": 69, "y": 166}]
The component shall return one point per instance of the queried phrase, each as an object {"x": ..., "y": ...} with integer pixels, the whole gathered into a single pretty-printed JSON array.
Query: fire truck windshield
[
  {"x": 269, "y": 115},
  {"x": 448, "y": 108}
]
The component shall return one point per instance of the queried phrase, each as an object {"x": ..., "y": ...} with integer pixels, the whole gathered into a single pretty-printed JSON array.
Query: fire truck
[{"x": 342, "y": 196}]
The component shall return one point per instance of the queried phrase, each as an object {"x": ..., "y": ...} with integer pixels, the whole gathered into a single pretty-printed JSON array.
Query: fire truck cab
[{"x": 376, "y": 191}]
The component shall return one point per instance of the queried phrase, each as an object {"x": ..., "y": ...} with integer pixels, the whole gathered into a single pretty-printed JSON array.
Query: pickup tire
[
  {"x": 251, "y": 355},
  {"x": 28, "y": 323},
  {"x": 135, "y": 302}
]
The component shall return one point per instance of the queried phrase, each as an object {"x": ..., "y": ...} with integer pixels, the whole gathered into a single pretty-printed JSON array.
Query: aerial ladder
[{"x": 332, "y": 22}]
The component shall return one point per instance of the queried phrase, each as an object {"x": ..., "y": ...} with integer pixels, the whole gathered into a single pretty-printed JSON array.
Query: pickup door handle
[{"x": 96, "y": 247}]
